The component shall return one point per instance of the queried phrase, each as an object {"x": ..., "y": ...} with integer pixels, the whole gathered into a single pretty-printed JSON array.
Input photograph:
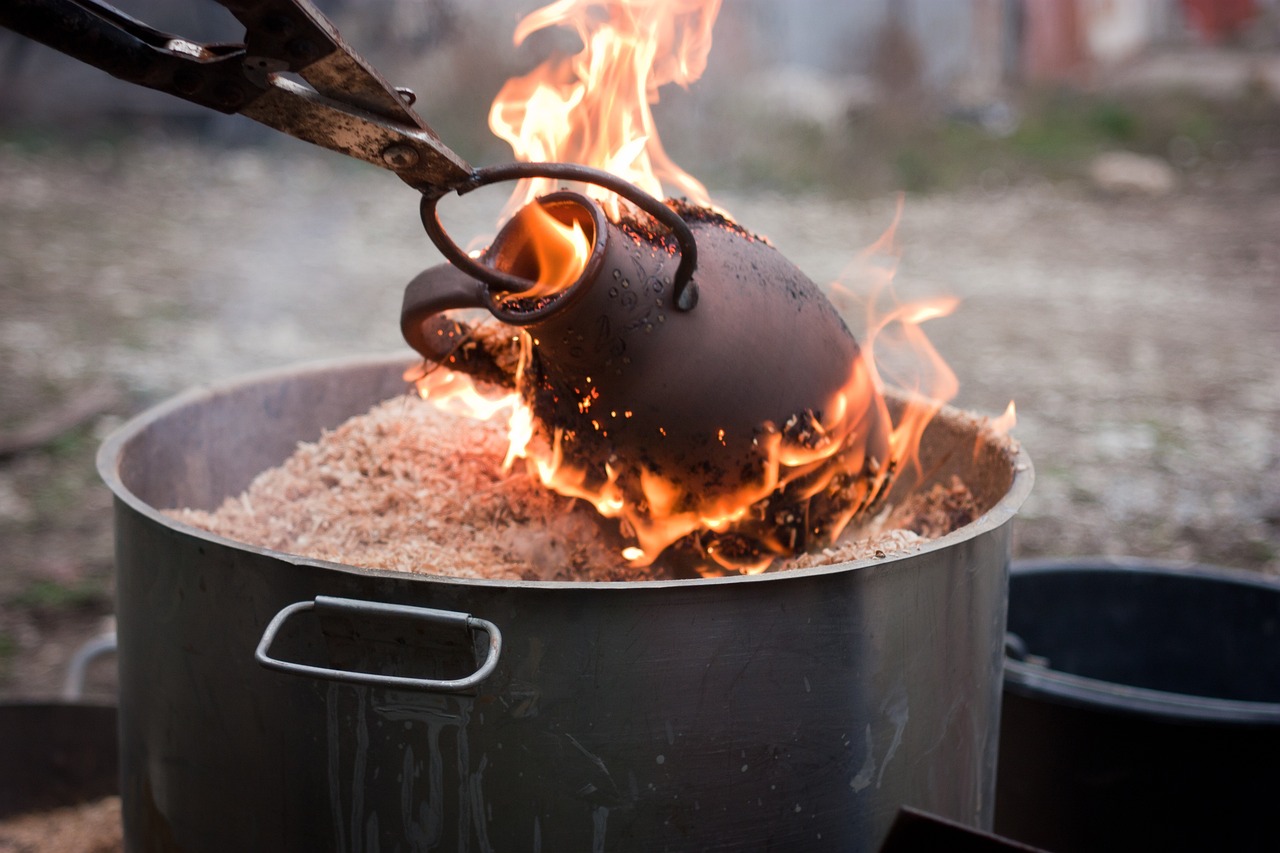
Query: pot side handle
[{"x": 378, "y": 608}]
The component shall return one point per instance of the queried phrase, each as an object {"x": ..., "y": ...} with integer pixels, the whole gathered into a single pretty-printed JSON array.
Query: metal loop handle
[
  {"x": 378, "y": 608},
  {"x": 78, "y": 667},
  {"x": 684, "y": 291}
]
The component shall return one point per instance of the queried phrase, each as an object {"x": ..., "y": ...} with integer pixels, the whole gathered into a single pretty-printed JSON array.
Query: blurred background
[{"x": 1097, "y": 180}]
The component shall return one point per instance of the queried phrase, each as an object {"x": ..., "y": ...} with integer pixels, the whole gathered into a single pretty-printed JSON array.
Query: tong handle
[
  {"x": 350, "y": 108},
  {"x": 108, "y": 39}
]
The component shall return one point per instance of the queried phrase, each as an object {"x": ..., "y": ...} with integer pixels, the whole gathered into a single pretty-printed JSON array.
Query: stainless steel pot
[{"x": 792, "y": 711}]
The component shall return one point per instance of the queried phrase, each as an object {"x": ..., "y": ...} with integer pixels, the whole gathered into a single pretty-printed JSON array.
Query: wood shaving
[
  {"x": 407, "y": 487},
  {"x": 90, "y": 828},
  {"x": 936, "y": 512}
]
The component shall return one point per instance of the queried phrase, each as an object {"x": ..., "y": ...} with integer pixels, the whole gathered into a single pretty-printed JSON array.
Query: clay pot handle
[
  {"x": 440, "y": 338},
  {"x": 685, "y": 291}
]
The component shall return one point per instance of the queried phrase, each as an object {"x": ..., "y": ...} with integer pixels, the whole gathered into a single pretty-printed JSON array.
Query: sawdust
[
  {"x": 398, "y": 489},
  {"x": 920, "y": 518},
  {"x": 89, "y": 828},
  {"x": 407, "y": 487}
]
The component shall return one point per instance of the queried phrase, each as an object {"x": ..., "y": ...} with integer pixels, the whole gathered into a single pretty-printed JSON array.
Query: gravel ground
[{"x": 1136, "y": 333}]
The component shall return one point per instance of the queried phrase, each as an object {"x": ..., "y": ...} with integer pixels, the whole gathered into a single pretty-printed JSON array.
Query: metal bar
[
  {"x": 378, "y": 608},
  {"x": 77, "y": 669}
]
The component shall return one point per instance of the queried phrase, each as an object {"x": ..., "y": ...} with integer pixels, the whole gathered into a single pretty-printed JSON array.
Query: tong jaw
[
  {"x": 353, "y": 108},
  {"x": 412, "y": 151},
  {"x": 293, "y": 35}
]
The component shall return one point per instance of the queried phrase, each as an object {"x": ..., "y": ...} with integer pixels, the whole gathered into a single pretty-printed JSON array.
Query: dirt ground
[{"x": 1137, "y": 332}]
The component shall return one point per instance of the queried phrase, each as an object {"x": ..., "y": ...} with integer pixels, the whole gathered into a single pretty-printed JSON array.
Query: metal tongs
[{"x": 347, "y": 105}]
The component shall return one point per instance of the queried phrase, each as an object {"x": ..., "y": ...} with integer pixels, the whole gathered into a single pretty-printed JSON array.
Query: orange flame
[
  {"x": 998, "y": 426},
  {"x": 547, "y": 251},
  {"x": 1004, "y": 424},
  {"x": 593, "y": 107},
  {"x": 896, "y": 348},
  {"x": 657, "y": 511}
]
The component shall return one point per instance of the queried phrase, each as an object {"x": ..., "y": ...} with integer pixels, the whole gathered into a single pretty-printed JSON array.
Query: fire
[
  {"x": 549, "y": 252},
  {"x": 658, "y": 512},
  {"x": 897, "y": 350},
  {"x": 1004, "y": 424},
  {"x": 594, "y": 107}
]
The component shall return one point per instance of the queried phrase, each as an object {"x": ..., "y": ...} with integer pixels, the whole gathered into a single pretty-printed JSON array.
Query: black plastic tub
[
  {"x": 56, "y": 754},
  {"x": 1141, "y": 708}
]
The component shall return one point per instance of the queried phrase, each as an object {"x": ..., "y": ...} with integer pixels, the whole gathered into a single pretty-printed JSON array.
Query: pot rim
[
  {"x": 1036, "y": 680},
  {"x": 112, "y": 448}
]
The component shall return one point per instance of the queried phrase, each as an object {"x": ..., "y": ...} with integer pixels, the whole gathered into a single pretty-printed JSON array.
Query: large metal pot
[{"x": 791, "y": 711}]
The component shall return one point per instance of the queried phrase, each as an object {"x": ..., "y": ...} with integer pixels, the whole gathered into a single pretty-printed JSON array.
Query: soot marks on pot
[
  {"x": 599, "y": 823},
  {"x": 895, "y": 708},
  {"x": 865, "y": 773},
  {"x": 522, "y": 694},
  {"x": 587, "y": 774},
  {"x": 400, "y": 770}
]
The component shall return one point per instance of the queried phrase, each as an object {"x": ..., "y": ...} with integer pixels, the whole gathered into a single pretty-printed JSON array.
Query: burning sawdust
[
  {"x": 921, "y": 517},
  {"x": 407, "y": 487}
]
